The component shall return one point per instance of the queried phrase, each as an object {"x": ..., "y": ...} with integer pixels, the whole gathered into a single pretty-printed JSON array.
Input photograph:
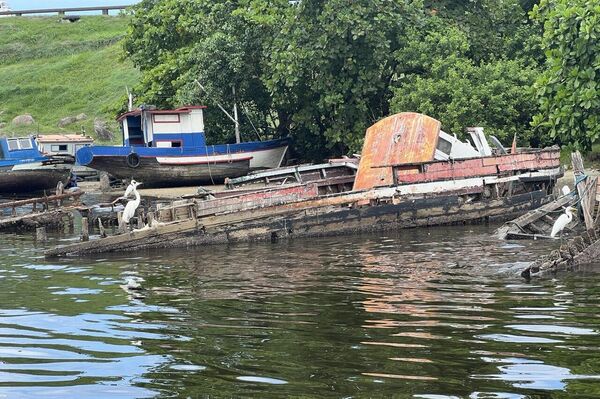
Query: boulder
[
  {"x": 81, "y": 117},
  {"x": 102, "y": 131},
  {"x": 23, "y": 120},
  {"x": 66, "y": 121}
]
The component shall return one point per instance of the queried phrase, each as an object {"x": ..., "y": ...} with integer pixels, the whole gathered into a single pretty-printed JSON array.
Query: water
[{"x": 427, "y": 313}]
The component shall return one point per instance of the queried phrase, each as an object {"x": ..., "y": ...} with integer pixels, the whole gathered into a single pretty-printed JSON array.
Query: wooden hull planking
[
  {"x": 32, "y": 180},
  {"x": 315, "y": 218},
  {"x": 153, "y": 174}
]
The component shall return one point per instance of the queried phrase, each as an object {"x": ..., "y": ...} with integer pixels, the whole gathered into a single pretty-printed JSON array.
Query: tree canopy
[
  {"x": 569, "y": 88},
  {"x": 322, "y": 71}
]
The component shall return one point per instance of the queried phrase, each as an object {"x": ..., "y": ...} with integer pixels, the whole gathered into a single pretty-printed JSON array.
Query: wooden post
[
  {"x": 582, "y": 189},
  {"x": 121, "y": 224},
  {"x": 140, "y": 220},
  {"x": 40, "y": 234},
  {"x": 150, "y": 217},
  {"x": 85, "y": 230},
  {"x": 101, "y": 228}
]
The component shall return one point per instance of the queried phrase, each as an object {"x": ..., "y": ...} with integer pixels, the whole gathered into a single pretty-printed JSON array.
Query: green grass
[{"x": 52, "y": 69}]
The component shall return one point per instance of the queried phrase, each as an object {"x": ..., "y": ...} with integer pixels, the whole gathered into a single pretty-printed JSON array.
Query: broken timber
[
  {"x": 581, "y": 250},
  {"x": 334, "y": 215},
  {"x": 48, "y": 211},
  {"x": 525, "y": 227}
]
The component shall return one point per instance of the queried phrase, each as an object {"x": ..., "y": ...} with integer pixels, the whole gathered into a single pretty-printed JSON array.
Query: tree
[
  {"x": 440, "y": 79},
  {"x": 569, "y": 89},
  {"x": 178, "y": 43},
  {"x": 332, "y": 66},
  {"x": 323, "y": 71}
]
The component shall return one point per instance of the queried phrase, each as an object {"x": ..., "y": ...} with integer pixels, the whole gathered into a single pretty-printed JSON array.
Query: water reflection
[{"x": 432, "y": 313}]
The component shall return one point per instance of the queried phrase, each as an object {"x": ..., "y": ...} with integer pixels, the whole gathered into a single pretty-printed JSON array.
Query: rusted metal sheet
[{"x": 402, "y": 138}]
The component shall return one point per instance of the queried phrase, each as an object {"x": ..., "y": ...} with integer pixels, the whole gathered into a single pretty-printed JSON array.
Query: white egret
[
  {"x": 562, "y": 221},
  {"x": 131, "y": 205}
]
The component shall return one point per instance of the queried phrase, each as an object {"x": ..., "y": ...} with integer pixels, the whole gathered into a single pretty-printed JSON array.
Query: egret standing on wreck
[
  {"x": 562, "y": 221},
  {"x": 131, "y": 205}
]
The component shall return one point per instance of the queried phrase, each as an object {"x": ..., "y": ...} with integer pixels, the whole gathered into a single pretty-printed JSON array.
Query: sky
[{"x": 35, "y": 4}]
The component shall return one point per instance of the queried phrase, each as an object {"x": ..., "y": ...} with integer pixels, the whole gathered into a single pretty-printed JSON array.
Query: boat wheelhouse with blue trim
[
  {"x": 168, "y": 148},
  {"x": 23, "y": 168}
]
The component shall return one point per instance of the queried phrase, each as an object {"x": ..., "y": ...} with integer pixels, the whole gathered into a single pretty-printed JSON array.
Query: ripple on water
[{"x": 428, "y": 313}]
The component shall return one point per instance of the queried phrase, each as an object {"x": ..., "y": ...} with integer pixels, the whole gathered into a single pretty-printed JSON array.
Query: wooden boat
[
  {"x": 67, "y": 144},
  {"x": 410, "y": 174},
  {"x": 24, "y": 169},
  {"x": 168, "y": 148},
  {"x": 342, "y": 171}
]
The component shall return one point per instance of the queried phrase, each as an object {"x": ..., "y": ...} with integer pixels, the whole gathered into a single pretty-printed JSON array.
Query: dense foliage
[
  {"x": 569, "y": 89},
  {"x": 322, "y": 71}
]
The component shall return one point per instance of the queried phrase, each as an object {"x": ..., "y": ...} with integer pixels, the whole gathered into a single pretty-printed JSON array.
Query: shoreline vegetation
[{"x": 320, "y": 73}]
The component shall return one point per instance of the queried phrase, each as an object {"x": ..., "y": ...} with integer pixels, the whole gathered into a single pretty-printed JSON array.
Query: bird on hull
[
  {"x": 131, "y": 205},
  {"x": 562, "y": 221}
]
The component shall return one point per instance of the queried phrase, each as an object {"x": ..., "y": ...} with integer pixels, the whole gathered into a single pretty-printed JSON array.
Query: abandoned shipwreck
[{"x": 410, "y": 174}]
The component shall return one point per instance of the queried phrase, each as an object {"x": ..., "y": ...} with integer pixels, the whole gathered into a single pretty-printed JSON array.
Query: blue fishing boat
[
  {"x": 168, "y": 148},
  {"x": 23, "y": 168}
]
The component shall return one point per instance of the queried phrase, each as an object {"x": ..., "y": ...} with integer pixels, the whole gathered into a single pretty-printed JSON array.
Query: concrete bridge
[{"x": 62, "y": 11}]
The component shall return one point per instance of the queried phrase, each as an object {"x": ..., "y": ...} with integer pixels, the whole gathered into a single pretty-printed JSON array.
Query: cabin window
[
  {"x": 25, "y": 144},
  {"x": 58, "y": 147},
  {"x": 444, "y": 146},
  {"x": 168, "y": 144},
  {"x": 13, "y": 145}
]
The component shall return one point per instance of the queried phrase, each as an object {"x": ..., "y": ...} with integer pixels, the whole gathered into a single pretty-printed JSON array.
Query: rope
[
  {"x": 578, "y": 179},
  {"x": 208, "y": 163}
]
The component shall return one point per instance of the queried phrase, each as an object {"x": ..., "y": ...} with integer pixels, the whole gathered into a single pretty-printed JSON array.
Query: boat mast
[
  {"x": 235, "y": 116},
  {"x": 233, "y": 119}
]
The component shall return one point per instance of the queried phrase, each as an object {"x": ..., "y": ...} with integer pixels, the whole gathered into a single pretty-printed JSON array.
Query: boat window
[
  {"x": 175, "y": 143},
  {"x": 1, "y": 153},
  {"x": 25, "y": 144},
  {"x": 444, "y": 146},
  {"x": 13, "y": 145},
  {"x": 59, "y": 147}
]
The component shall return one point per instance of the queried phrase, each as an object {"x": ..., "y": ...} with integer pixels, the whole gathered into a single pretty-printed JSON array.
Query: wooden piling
[
  {"x": 121, "y": 223},
  {"x": 140, "y": 220},
  {"x": 101, "y": 228},
  {"x": 85, "y": 232},
  {"x": 40, "y": 234},
  {"x": 150, "y": 217}
]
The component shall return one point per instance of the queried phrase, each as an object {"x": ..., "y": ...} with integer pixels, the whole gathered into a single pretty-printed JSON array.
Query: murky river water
[{"x": 431, "y": 313}]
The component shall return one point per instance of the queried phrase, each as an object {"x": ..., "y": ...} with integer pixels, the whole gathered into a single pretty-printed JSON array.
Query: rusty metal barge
[{"x": 410, "y": 174}]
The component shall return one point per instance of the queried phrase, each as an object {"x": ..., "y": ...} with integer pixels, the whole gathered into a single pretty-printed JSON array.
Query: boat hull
[
  {"x": 160, "y": 167},
  {"x": 155, "y": 174},
  {"x": 267, "y": 159},
  {"x": 318, "y": 221},
  {"x": 25, "y": 180}
]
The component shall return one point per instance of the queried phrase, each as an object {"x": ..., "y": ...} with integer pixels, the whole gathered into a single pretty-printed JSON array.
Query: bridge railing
[{"x": 64, "y": 10}]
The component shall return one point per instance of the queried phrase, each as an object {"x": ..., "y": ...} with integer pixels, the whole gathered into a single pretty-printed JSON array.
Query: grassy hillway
[{"x": 52, "y": 69}]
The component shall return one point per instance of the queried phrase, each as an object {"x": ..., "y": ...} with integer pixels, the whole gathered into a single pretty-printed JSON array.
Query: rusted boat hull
[
  {"x": 25, "y": 181},
  {"x": 153, "y": 174},
  {"x": 293, "y": 220}
]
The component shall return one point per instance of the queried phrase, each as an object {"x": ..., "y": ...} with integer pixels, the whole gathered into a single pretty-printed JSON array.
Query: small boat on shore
[
  {"x": 67, "y": 144},
  {"x": 410, "y": 174},
  {"x": 168, "y": 148},
  {"x": 24, "y": 169}
]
